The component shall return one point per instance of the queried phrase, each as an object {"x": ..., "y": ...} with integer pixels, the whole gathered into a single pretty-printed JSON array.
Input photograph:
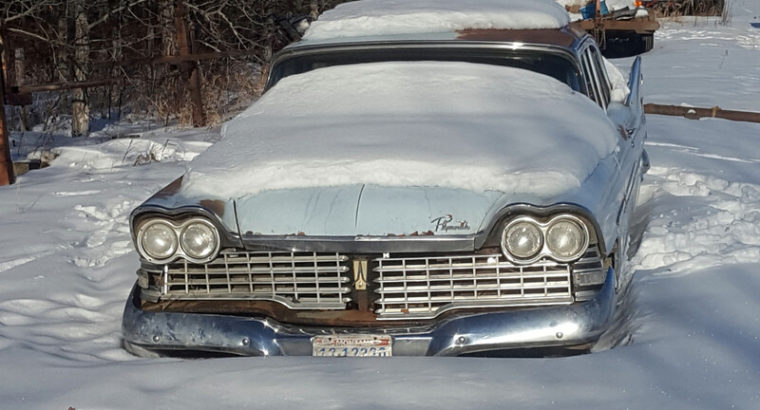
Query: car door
[{"x": 628, "y": 118}]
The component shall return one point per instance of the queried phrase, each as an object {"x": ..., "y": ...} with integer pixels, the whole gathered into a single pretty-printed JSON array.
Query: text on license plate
[{"x": 352, "y": 345}]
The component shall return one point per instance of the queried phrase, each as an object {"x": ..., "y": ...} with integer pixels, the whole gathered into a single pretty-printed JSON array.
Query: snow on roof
[
  {"x": 393, "y": 17},
  {"x": 447, "y": 124}
]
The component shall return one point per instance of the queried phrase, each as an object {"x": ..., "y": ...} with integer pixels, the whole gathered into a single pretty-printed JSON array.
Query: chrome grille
[
  {"x": 422, "y": 287},
  {"x": 297, "y": 280}
]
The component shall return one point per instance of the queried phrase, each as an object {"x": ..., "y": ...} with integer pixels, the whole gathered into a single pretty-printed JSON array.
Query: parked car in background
[{"x": 420, "y": 178}]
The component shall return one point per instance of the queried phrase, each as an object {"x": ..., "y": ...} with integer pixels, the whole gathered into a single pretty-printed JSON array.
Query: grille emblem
[{"x": 360, "y": 274}]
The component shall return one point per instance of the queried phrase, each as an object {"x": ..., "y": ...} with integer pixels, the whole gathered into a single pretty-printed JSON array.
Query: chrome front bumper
[{"x": 566, "y": 325}]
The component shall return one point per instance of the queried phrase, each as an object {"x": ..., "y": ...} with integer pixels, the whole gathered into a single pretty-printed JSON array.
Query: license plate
[{"x": 352, "y": 345}]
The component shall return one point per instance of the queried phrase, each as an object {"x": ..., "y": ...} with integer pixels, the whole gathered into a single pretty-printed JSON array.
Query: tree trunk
[
  {"x": 7, "y": 175},
  {"x": 268, "y": 43},
  {"x": 18, "y": 65},
  {"x": 80, "y": 112},
  {"x": 166, "y": 20},
  {"x": 314, "y": 9},
  {"x": 61, "y": 55},
  {"x": 191, "y": 69}
]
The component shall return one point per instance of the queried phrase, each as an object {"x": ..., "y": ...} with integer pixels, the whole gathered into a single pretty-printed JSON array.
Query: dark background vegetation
[{"x": 189, "y": 62}]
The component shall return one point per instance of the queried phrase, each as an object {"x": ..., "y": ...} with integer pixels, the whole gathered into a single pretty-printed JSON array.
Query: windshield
[{"x": 556, "y": 65}]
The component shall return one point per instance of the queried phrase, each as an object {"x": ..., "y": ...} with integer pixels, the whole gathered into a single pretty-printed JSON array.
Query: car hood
[{"x": 364, "y": 210}]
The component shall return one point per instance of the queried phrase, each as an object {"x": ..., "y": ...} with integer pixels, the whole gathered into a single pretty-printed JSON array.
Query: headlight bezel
[
  {"x": 178, "y": 228},
  {"x": 144, "y": 228},
  {"x": 544, "y": 224},
  {"x": 505, "y": 236},
  {"x": 199, "y": 221},
  {"x": 584, "y": 241}
]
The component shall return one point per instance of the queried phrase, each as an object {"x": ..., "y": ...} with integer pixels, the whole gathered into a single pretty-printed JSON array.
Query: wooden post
[
  {"x": 7, "y": 175},
  {"x": 599, "y": 31},
  {"x": 191, "y": 68}
]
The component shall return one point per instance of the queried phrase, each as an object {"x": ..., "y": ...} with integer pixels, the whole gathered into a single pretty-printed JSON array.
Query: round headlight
[
  {"x": 199, "y": 239},
  {"x": 158, "y": 240},
  {"x": 522, "y": 239},
  {"x": 566, "y": 239}
]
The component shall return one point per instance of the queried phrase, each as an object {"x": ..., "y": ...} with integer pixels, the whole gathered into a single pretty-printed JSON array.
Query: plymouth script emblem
[
  {"x": 446, "y": 223},
  {"x": 360, "y": 274}
]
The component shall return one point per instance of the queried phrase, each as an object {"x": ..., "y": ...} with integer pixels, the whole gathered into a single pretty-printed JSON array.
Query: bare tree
[
  {"x": 149, "y": 45},
  {"x": 80, "y": 111}
]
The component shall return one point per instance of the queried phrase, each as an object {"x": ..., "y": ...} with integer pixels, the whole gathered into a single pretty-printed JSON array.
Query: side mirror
[{"x": 634, "y": 84}]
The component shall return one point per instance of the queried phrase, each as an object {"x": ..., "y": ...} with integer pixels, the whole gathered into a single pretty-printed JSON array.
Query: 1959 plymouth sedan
[{"x": 423, "y": 177}]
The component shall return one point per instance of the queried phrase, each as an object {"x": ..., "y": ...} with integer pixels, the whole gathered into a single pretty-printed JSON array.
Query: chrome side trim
[{"x": 634, "y": 82}]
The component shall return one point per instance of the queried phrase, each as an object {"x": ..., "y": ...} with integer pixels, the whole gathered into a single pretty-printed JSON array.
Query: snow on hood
[
  {"x": 455, "y": 125},
  {"x": 389, "y": 17}
]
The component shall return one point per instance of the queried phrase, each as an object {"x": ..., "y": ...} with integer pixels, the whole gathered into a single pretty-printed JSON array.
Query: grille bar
[
  {"x": 414, "y": 287},
  {"x": 423, "y": 287},
  {"x": 297, "y": 280}
]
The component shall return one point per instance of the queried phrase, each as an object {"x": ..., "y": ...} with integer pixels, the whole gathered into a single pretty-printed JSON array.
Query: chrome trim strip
[
  {"x": 299, "y": 49},
  {"x": 362, "y": 244}
]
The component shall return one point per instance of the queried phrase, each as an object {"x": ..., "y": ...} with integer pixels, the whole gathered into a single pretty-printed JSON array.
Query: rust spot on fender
[
  {"x": 415, "y": 233},
  {"x": 214, "y": 205}
]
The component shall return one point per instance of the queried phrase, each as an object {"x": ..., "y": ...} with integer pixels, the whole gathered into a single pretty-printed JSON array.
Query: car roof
[
  {"x": 567, "y": 37},
  {"x": 392, "y": 21}
]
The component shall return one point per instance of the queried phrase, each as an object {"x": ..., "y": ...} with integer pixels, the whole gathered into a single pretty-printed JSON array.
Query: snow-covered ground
[{"x": 67, "y": 265}]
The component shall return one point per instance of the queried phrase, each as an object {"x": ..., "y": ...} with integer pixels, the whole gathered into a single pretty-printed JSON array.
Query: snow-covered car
[{"x": 422, "y": 177}]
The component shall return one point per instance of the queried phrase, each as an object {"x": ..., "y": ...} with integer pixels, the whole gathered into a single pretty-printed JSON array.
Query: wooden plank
[
  {"x": 696, "y": 113},
  {"x": 66, "y": 85}
]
